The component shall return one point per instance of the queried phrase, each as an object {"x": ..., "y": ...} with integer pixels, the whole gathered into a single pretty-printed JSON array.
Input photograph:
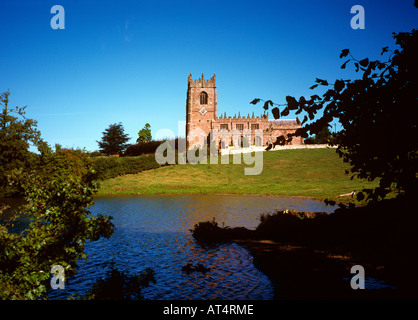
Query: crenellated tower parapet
[{"x": 201, "y": 82}]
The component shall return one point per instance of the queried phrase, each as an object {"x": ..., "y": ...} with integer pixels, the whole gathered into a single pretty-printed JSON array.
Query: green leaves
[
  {"x": 16, "y": 134},
  {"x": 144, "y": 135},
  {"x": 57, "y": 198}
]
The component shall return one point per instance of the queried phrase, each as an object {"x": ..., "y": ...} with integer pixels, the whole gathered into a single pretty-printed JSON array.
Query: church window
[
  {"x": 257, "y": 141},
  {"x": 255, "y": 126},
  {"x": 224, "y": 127},
  {"x": 203, "y": 98},
  {"x": 239, "y": 127}
]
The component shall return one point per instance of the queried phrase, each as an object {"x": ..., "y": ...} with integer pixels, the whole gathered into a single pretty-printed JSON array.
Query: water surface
[{"x": 153, "y": 231}]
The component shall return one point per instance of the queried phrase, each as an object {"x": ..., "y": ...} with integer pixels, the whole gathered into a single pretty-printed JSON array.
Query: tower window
[{"x": 203, "y": 98}]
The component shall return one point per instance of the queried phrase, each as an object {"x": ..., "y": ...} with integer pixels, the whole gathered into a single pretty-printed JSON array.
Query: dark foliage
[
  {"x": 142, "y": 148},
  {"x": 377, "y": 112},
  {"x": 209, "y": 232},
  {"x": 114, "y": 140},
  {"x": 119, "y": 285},
  {"x": 382, "y": 234},
  {"x": 322, "y": 137}
]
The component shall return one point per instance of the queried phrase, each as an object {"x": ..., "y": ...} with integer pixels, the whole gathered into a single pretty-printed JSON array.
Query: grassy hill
[{"x": 310, "y": 173}]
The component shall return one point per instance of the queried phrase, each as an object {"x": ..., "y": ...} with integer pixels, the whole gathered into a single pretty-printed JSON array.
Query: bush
[
  {"x": 142, "y": 148},
  {"x": 210, "y": 232},
  {"x": 310, "y": 140},
  {"x": 150, "y": 147},
  {"x": 56, "y": 202},
  {"x": 111, "y": 167}
]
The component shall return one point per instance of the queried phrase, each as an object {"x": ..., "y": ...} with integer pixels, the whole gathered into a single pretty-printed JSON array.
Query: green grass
[{"x": 310, "y": 173}]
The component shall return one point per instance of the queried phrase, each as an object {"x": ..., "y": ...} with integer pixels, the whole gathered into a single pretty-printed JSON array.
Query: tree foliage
[
  {"x": 114, "y": 140},
  {"x": 322, "y": 137},
  {"x": 17, "y": 133},
  {"x": 57, "y": 204},
  {"x": 144, "y": 135},
  {"x": 377, "y": 112},
  {"x": 58, "y": 189}
]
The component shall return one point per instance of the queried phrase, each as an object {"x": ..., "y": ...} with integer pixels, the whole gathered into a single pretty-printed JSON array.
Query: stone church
[{"x": 204, "y": 126}]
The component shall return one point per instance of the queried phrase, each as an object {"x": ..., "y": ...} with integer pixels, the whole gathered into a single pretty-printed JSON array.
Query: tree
[
  {"x": 144, "y": 135},
  {"x": 16, "y": 134},
  {"x": 58, "y": 188},
  {"x": 377, "y": 112},
  {"x": 322, "y": 137},
  {"x": 114, "y": 140}
]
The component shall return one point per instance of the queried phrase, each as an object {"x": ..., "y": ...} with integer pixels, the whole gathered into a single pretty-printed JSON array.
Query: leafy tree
[
  {"x": 16, "y": 134},
  {"x": 114, "y": 140},
  {"x": 322, "y": 137},
  {"x": 57, "y": 201},
  {"x": 144, "y": 135},
  {"x": 58, "y": 188},
  {"x": 377, "y": 112}
]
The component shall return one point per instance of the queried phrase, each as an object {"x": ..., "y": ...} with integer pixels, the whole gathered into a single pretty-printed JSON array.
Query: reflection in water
[{"x": 153, "y": 231}]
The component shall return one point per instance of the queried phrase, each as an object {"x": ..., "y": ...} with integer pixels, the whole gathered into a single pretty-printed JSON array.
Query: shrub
[
  {"x": 151, "y": 146},
  {"x": 142, "y": 148},
  {"x": 210, "y": 232},
  {"x": 111, "y": 167}
]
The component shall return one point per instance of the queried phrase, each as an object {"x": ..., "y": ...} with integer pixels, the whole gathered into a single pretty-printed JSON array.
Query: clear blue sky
[{"x": 128, "y": 61}]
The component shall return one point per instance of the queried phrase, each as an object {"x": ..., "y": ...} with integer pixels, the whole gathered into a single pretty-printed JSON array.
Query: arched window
[
  {"x": 203, "y": 98},
  {"x": 257, "y": 141}
]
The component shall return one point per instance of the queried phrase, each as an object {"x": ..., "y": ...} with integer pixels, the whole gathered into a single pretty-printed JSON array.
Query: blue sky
[{"x": 128, "y": 61}]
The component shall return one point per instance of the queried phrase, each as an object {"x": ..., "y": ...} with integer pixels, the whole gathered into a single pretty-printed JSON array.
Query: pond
[{"x": 153, "y": 231}]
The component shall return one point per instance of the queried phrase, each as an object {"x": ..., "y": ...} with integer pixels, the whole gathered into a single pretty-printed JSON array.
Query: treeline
[
  {"x": 70, "y": 163},
  {"x": 135, "y": 159}
]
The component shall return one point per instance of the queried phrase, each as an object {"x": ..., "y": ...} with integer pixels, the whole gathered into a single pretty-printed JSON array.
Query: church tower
[{"x": 200, "y": 109}]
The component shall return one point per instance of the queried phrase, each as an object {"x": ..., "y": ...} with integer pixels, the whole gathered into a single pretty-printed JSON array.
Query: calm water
[{"x": 153, "y": 231}]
